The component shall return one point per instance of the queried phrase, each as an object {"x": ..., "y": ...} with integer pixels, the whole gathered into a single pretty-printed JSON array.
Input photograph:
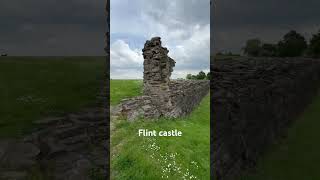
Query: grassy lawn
[
  {"x": 36, "y": 87},
  {"x": 121, "y": 89},
  {"x": 186, "y": 157},
  {"x": 298, "y": 156}
]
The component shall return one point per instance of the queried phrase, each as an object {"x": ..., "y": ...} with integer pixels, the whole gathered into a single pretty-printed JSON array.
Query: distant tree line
[
  {"x": 200, "y": 76},
  {"x": 292, "y": 44}
]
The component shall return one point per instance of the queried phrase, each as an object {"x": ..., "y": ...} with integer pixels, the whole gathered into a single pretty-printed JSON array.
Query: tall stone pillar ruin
[{"x": 158, "y": 67}]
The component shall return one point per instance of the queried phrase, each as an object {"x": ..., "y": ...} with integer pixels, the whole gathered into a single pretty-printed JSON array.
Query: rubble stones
[{"x": 63, "y": 147}]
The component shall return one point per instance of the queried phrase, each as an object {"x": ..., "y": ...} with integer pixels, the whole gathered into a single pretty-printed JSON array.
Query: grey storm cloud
[
  {"x": 236, "y": 21},
  {"x": 53, "y": 27},
  {"x": 189, "y": 12}
]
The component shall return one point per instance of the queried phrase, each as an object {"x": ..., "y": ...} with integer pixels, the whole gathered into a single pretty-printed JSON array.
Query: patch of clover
[{"x": 168, "y": 161}]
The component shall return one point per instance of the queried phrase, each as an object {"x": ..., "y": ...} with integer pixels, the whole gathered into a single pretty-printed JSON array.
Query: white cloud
[
  {"x": 124, "y": 60},
  {"x": 184, "y": 27},
  {"x": 125, "y": 57},
  {"x": 194, "y": 51}
]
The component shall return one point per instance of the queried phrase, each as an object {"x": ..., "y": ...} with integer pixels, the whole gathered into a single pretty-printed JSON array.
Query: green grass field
[
  {"x": 297, "y": 157},
  {"x": 135, "y": 158},
  {"x": 121, "y": 89},
  {"x": 35, "y": 87}
]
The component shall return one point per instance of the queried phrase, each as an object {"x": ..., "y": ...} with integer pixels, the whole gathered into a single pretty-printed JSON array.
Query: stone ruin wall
[
  {"x": 254, "y": 101},
  {"x": 162, "y": 96},
  {"x": 158, "y": 67},
  {"x": 185, "y": 95}
]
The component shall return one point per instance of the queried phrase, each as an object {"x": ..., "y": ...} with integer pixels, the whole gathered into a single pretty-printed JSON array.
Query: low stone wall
[
  {"x": 253, "y": 102},
  {"x": 183, "y": 95},
  {"x": 141, "y": 106}
]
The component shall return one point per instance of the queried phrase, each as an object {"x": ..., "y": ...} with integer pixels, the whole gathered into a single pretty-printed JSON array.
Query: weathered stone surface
[
  {"x": 18, "y": 155},
  {"x": 49, "y": 121},
  {"x": 137, "y": 107},
  {"x": 158, "y": 67},
  {"x": 253, "y": 102},
  {"x": 62, "y": 147},
  {"x": 185, "y": 95},
  {"x": 162, "y": 97},
  {"x": 80, "y": 171}
]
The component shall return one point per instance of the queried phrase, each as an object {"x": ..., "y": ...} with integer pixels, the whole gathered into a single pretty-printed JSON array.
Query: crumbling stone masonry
[
  {"x": 253, "y": 102},
  {"x": 162, "y": 97},
  {"x": 158, "y": 67}
]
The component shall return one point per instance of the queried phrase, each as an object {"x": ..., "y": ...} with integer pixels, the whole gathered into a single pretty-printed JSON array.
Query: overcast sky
[
  {"x": 52, "y": 27},
  {"x": 183, "y": 25},
  {"x": 236, "y": 21}
]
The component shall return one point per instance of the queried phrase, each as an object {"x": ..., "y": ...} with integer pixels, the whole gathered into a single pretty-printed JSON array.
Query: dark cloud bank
[
  {"x": 236, "y": 21},
  {"x": 52, "y": 27}
]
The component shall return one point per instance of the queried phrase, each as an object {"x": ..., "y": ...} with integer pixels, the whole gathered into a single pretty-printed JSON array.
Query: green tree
[
  {"x": 293, "y": 44},
  {"x": 314, "y": 47},
  {"x": 201, "y": 75},
  {"x": 189, "y": 76},
  {"x": 209, "y": 75},
  {"x": 252, "y": 47},
  {"x": 269, "y": 50}
]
